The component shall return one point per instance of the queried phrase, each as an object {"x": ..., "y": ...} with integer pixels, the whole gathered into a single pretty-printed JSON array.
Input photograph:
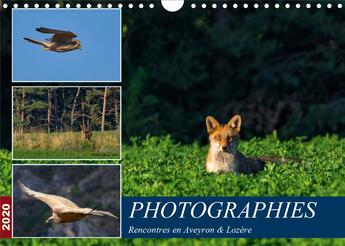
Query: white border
[
  {"x": 120, "y": 134},
  {"x": 66, "y": 81},
  {"x": 71, "y": 165}
]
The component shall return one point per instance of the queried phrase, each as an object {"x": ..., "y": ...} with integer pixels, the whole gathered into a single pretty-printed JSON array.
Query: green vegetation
[
  {"x": 5, "y": 173},
  {"x": 160, "y": 167},
  {"x": 67, "y": 145},
  {"x": 175, "y": 241}
]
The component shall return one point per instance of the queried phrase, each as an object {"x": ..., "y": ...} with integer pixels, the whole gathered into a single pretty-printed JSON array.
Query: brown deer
[{"x": 87, "y": 131}]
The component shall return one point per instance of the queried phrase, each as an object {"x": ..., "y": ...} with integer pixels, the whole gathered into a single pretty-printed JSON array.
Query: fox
[{"x": 223, "y": 155}]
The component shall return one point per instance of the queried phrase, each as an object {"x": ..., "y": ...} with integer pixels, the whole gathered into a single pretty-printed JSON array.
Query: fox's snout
[
  {"x": 224, "y": 147},
  {"x": 223, "y": 144}
]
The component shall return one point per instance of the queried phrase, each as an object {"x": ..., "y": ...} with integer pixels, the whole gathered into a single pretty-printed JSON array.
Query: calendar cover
[{"x": 173, "y": 122}]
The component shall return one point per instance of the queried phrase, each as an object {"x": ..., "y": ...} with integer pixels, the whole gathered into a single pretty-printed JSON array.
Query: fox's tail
[
  {"x": 279, "y": 159},
  {"x": 35, "y": 42}
]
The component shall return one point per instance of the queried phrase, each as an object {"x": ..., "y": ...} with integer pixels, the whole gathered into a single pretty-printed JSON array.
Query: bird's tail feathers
[{"x": 35, "y": 42}]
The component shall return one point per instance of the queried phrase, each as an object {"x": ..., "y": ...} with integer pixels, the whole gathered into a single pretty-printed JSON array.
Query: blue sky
[{"x": 98, "y": 31}]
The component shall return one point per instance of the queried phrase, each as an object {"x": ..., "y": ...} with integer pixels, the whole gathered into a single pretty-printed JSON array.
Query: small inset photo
[
  {"x": 66, "y": 45},
  {"x": 66, "y": 201},
  {"x": 66, "y": 123}
]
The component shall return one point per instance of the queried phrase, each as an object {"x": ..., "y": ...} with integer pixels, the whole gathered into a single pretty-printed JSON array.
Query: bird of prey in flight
[
  {"x": 61, "y": 41},
  {"x": 64, "y": 210}
]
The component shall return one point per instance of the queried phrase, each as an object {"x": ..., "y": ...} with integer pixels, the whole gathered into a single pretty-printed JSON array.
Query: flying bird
[
  {"x": 64, "y": 210},
  {"x": 61, "y": 41}
]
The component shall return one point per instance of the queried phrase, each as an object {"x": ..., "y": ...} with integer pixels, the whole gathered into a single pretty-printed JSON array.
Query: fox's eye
[{"x": 217, "y": 137}]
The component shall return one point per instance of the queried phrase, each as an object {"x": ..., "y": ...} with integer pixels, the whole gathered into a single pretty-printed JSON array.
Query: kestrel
[
  {"x": 61, "y": 41},
  {"x": 64, "y": 210}
]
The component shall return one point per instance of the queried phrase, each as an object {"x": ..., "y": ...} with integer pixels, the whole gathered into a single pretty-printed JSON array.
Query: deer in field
[{"x": 87, "y": 131}]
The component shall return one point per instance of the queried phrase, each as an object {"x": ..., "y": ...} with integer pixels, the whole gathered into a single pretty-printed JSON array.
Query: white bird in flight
[{"x": 64, "y": 210}]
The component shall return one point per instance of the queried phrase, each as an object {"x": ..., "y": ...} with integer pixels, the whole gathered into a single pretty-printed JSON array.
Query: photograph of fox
[{"x": 61, "y": 119}]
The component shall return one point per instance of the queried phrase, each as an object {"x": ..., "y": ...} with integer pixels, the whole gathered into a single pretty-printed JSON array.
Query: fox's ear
[
  {"x": 212, "y": 124},
  {"x": 235, "y": 123}
]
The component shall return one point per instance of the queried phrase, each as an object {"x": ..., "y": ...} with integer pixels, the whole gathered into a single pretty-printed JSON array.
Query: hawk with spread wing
[
  {"x": 61, "y": 41},
  {"x": 64, "y": 210}
]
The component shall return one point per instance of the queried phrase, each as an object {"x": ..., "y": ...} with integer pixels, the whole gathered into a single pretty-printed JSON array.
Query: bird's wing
[
  {"x": 52, "y": 201},
  {"x": 103, "y": 213},
  {"x": 86, "y": 211},
  {"x": 59, "y": 35}
]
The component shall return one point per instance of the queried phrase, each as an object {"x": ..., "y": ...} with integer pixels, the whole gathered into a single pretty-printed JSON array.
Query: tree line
[{"x": 62, "y": 109}]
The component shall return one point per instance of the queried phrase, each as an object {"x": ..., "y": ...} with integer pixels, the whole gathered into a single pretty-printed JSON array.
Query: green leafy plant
[{"x": 160, "y": 167}]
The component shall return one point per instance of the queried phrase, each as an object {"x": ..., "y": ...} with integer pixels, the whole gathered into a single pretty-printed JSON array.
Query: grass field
[
  {"x": 66, "y": 145},
  {"x": 160, "y": 167},
  {"x": 176, "y": 241}
]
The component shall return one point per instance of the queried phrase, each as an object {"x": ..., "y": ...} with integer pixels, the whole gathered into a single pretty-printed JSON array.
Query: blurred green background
[{"x": 279, "y": 69}]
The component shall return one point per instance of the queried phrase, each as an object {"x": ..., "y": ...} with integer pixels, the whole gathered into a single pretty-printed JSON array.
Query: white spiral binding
[{"x": 192, "y": 5}]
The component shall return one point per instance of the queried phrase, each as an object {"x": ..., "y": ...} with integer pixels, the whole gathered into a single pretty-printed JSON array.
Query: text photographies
[{"x": 224, "y": 210}]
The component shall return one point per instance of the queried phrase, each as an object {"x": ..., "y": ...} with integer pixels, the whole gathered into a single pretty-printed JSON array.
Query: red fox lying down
[{"x": 223, "y": 155}]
